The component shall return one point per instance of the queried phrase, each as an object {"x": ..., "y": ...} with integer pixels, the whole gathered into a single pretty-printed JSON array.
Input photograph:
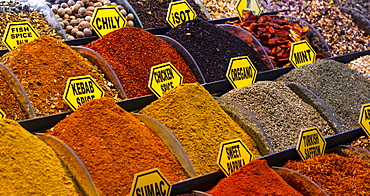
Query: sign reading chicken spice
[
  {"x": 179, "y": 12},
  {"x": 310, "y": 143},
  {"x": 365, "y": 118},
  {"x": 150, "y": 182},
  {"x": 107, "y": 19},
  {"x": 301, "y": 53},
  {"x": 241, "y": 72},
  {"x": 2, "y": 114},
  {"x": 164, "y": 77},
  {"x": 17, "y": 33}
]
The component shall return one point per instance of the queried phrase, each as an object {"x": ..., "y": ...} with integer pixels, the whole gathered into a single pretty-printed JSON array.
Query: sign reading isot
[
  {"x": 150, "y": 182},
  {"x": 233, "y": 155},
  {"x": 310, "y": 143},
  {"x": 179, "y": 12},
  {"x": 301, "y": 53},
  {"x": 81, "y": 89},
  {"x": 241, "y": 72},
  {"x": 247, "y": 5},
  {"x": 164, "y": 77},
  {"x": 107, "y": 19},
  {"x": 2, "y": 114},
  {"x": 365, "y": 118},
  {"x": 17, "y": 33}
]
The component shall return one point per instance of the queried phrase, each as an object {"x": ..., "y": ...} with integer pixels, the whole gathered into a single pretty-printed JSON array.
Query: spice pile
[
  {"x": 152, "y": 13},
  {"x": 199, "y": 124},
  {"x": 276, "y": 34},
  {"x": 114, "y": 146},
  {"x": 254, "y": 178},
  {"x": 343, "y": 89},
  {"x": 336, "y": 174},
  {"x": 362, "y": 142},
  {"x": 29, "y": 166},
  {"x": 361, "y": 64},
  {"x": 360, "y": 6},
  {"x": 43, "y": 67},
  {"x": 212, "y": 48},
  {"x": 276, "y": 5},
  {"x": 132, "y": 52},
  {"x": 281, "y": 112}
]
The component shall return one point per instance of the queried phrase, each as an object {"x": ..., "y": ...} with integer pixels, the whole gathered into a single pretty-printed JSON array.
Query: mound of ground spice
[
  {"x": 114, "y": 146},
  {"x": 132, "y": 52},
  {"x": 199, "y": 123}
]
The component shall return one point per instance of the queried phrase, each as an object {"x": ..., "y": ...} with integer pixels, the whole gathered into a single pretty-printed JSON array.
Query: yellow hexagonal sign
[
  {"x": 233, "y": 155},
  {"x": 364, "y": 120},
  {"x": 164, "y": 77},
  {"x": 81, "y": 89},
  {"x": 301, "y": 53},
  {"x": 150, "y": 182},
  {"x": 2, "y": 114},
  {"x": 310, "y": 143},
  {"x": 247, "y": 5},
  {"x": 107, "y": 19},
  {"x": 241, "y": 72},
  {"x": 17, "y": 33},
  {"x": 179, "y": 12}
]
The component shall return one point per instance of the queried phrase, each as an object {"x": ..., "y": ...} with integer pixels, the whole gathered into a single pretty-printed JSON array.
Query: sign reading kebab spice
[
  {"x": 241, "y": 72},
  {"x": 365, "y": 118},
  {"x": 2, "y": 114},
  {"x": 310, "y": 143},
  {"x": 247, "y": 5},
  {"x": 150, "y": 182},
  {"x": 81, "y": 89},
  {"x": 107, "y": 19},
  {"x": 301, "y": 53},
  {"x": 233, "y": 155},
  {"x": 179, "y": 12},
  {"x": 17, "y": 33},
  {"x": 164, "y": 77}
]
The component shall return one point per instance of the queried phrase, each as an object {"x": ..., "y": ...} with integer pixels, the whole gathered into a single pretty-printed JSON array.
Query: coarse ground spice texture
[
  {"x": 254, "y": 178},
  {"x": 132, "y": 52},
  {"x": 199, "y": 124},
  {"x": 281, "y": 112},
  {"x": 9, "y": 103},
  {"x": 213, "y": 47},
  {"x": 343, "y": 89},
  {"x": 28, "y": 166},
  {"x": 114, "y": 146},
  {"x": 43, "y": 67},
  {"x": 336, "y": 174},
  {"x": 362, "y": 142}
]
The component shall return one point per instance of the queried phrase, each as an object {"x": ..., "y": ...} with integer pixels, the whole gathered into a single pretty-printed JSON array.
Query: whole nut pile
[
  {"x": 337, "y": 28},
  {"x": 75, "y": 16},
  {"x": 361, "y": 64}
]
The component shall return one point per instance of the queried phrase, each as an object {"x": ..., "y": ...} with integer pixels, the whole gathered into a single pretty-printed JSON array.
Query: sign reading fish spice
[
  {"x": 2, "y": 114},
  {"x": 302, "y": 53},
  {"x": 243, "y": 6},
  {"x": 241, "y": 72},
  {"x": 150, "y": 182},
  {"x": 233, "y": 155},
  {"x": 365, "y": 118},
  {"x": 164, "y": 77},
  {"x": 179, "y": 12},
  {"x": 310, "y": 143},
  {"x": 107, "y": 19},
  {"x": 81, "y": 89},
  {"x": 17, "y": 33}
]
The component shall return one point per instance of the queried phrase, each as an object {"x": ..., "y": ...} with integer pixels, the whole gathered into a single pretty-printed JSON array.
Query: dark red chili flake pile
[{"x": 132, "y": 52}]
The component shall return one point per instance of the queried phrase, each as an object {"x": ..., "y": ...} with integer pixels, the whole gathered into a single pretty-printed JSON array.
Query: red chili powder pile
[
  {"x": 254, "y": 178},
  {"x": 114, "y": 145},
  {"x": 132, "y": 52}
]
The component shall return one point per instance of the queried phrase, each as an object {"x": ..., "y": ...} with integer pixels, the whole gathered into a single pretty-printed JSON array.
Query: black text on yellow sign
[
  {"x": 150, "y": 182},
  {"x": 365, "y": 118},
  {"x": 2, "y": 114},
  {"x": 233, "y": 155},
  {"x": 241, "y": 72},
  {"x": 301, "y": 53},
  {"x": 247, "y": 5},
  {"x": 310, "y": 143},
  {"x": 81, "y": 89},
  {"x": 179, "y": 12},
  {"x": 107, "y": 19},
  {"x": 164, "y": 77},
  {"x": 17, "y": 33}
]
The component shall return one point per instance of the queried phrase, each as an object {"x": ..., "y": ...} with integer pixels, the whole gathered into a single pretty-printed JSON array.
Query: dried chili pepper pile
[
  {"x": 336, "y": 174},
  {"x": 132, "y": 52},
  {"x": 276, "y": 35}
]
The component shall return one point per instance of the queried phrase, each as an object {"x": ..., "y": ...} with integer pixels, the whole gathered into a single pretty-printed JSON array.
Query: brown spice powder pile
[{"x": 114, "y": 145}]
